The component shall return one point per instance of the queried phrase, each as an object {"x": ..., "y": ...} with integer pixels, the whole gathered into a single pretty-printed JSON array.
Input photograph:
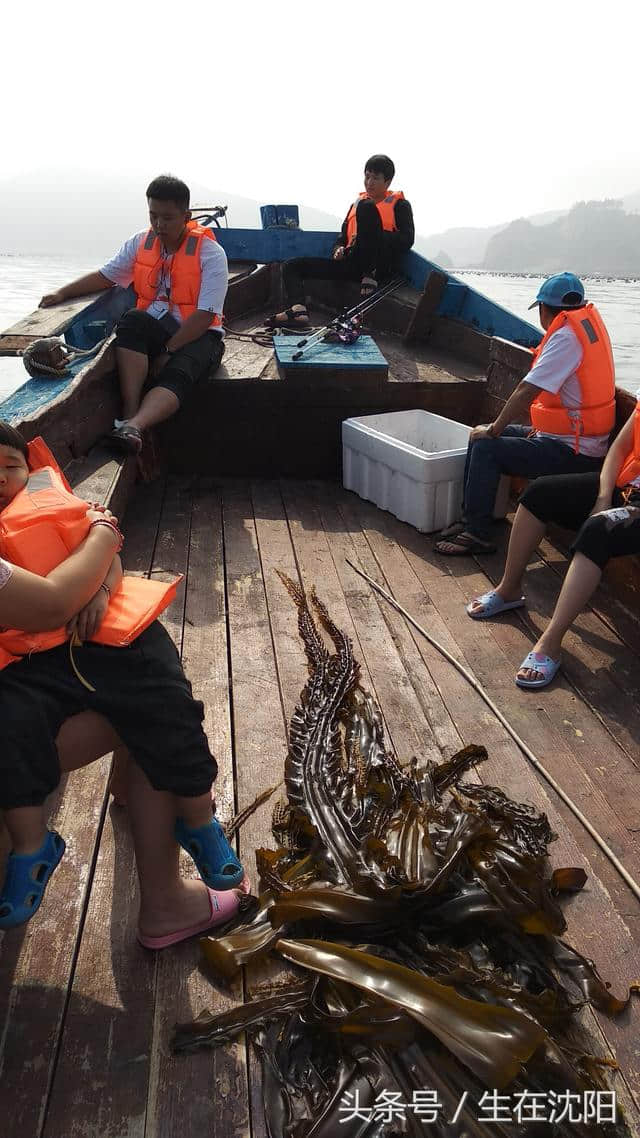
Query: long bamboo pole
[{"x": 527, "y": 752}]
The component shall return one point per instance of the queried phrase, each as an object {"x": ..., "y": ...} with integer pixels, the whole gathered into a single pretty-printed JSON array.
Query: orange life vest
[
  {"x": 185, "y": 274},
  {"x": 630, "y": 468},
  {"x": 39, "y": 528},
  {"x": 596, "y": 374},
  {"x": 386, "y": 209}
]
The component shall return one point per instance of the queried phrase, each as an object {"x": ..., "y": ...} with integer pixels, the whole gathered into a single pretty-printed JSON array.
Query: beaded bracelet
[{"x": 111, "y": 525}]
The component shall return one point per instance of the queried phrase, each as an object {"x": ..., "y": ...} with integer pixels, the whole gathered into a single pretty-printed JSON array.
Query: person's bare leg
[
  {"x": 81, "y": 739},
  {"x": 582, "y": 579},
  {"x": 119, "y": 778},
  {"x": 157, "y": 405},
  {"x": 168, "y": 902},
  {"x": 27, "y": 829},
  {"x": 133, "y": 369},
  {"x": 195, "y": 812},
  {"x": 526, "y": 534},
  {"x": 85, "y": 737}
]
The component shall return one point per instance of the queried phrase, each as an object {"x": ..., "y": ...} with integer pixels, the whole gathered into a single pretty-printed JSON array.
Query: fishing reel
[{"x": 345, "y": 330}]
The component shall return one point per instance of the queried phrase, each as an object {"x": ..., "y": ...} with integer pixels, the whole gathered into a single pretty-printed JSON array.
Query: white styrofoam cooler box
[{"x": 412, "y": 464}]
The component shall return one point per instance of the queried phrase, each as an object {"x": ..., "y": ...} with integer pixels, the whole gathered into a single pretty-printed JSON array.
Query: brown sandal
[
  {"x": 463, "y": 545},
  {"x": 126, "y": 438},
  {"x": 295, "y": 320}
]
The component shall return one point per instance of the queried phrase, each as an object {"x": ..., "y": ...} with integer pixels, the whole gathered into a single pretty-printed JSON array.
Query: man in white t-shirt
[
  {"x": 173, "y": 337},
  {"x": 569, "y": 394}
]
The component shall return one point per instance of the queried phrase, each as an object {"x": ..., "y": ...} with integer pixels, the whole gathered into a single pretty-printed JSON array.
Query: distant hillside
[
  {"x": 82, "y": 214},
  {"x": 468, "y": 247},
  {"x": 597, "y": 237}
]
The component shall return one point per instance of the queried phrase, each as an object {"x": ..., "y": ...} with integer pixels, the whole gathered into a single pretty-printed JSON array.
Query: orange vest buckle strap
[
  {"x": 43, "y": 524},
  {"x": 185, "y": 273},
  {"x": 596, "y": 375},
  {"x": 630, "y": 469},
  {"x": 386, "y": 209}
]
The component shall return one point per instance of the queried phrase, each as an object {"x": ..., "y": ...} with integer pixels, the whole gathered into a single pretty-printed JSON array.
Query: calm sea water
[
  {"x": 617, "y": 300},
  {"x": 23, "y": 280}
]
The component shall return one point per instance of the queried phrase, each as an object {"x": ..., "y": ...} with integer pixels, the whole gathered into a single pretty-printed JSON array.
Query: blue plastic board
[{"x": 365, "y": 353}]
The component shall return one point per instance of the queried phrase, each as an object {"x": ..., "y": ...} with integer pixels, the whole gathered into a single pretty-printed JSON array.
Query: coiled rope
[{"x": 51, "y": 357}]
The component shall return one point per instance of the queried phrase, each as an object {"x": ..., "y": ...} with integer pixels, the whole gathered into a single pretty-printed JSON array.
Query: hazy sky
[{"x": 489, "y": 110}]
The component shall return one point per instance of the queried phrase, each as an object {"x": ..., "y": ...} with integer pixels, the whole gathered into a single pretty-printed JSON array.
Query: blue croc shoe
[
  {"x": 215, "y": 859},
  {"x": 26, "y": 880}
]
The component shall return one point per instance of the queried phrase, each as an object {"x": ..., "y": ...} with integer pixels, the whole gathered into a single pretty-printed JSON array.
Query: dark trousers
[
  {"x": 142, "y": 691},
  {"x": 142, "y": 333},
  {"x": 512, "y": 453},
  {"x": 568, "y": 501},
  {"x": 372, "y": 254}
]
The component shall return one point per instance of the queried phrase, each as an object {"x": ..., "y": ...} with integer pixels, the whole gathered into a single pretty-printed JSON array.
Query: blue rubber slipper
[
  {"x": 215, "y": 859},
  {"x": 493, "y": 604},
  {"x": 26, "y": 880},
  {"x": 539, "y": 663}
]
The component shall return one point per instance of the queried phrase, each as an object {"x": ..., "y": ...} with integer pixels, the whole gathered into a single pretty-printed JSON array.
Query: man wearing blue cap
[{"x": 569, "y": 396}]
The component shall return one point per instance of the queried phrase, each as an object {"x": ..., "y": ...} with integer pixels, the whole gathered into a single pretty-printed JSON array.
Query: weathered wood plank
[
  {"x": 427, "y": 306},
  {"x": 101, "y": 477},
  {"x": 15, "y": 345},
  {"x": 207, "y": 1092},
  {"x": 600, "y": 918},
  {"x": 37, "y": 960},
  {"x": 319, "y": 537},
  {"x": 276, "y": 552},
  {"x": 108, "y": 1030},
  {"x": 259, "y": 732},
  {"x": 602, "y": 669},
  {"x": 246, "y": 360},
  {"x": 51, "y": 321},
  {"x": 617, "y": 600}
]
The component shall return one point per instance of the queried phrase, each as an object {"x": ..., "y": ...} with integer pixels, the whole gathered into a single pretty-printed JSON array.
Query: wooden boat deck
[{"x": 87, "y": 1013}]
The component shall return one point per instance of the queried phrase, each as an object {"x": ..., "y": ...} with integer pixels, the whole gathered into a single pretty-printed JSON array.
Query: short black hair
[
  {"x": 380, "y": 164},
  {"x": 9, "y": 437},
  {"x": 166, "y": 188}
]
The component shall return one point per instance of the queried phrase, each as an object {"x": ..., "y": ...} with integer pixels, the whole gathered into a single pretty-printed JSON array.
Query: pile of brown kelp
[{"x": 434, "y": 994}]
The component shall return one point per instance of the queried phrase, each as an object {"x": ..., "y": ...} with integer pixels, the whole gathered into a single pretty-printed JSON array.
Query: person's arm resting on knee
[{"x": 558, "y": 361}]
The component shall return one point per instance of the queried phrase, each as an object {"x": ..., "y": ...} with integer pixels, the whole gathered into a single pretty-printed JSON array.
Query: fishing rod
[
  {"x": 527, "y": 752},
  {"x": 348, "y": 322}
]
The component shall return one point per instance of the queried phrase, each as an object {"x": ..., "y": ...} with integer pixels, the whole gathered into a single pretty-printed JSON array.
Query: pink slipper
[{"x": 224, "y": 910}]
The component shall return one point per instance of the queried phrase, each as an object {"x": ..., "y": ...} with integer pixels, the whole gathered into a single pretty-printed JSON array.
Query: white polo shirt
[
  {"x": 213, "y": 285},
  {"x": 555, "y": 371}
]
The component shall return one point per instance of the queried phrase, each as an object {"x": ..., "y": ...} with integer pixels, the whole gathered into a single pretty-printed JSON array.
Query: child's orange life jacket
[{"x": 39, "y": 528}]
